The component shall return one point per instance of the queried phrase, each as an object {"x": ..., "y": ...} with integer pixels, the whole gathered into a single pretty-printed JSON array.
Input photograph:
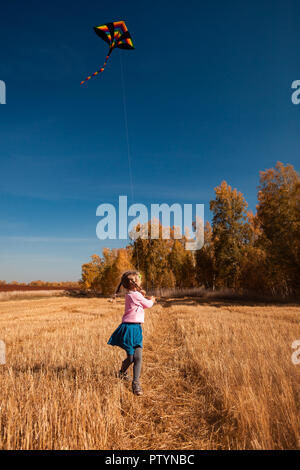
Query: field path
[{"x": 179, "y": 408}]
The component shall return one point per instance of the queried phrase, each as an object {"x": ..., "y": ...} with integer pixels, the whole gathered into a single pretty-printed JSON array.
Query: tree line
[
  {"x": 67, "y": 284},
  {"x": 243, "y": 251}
]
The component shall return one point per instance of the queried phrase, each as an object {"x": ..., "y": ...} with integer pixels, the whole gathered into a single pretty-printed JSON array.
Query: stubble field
[{"x": 216, "y": 375}]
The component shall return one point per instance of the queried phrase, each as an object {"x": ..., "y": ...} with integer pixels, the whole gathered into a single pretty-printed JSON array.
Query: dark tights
[{"x": 136, "y": 359}]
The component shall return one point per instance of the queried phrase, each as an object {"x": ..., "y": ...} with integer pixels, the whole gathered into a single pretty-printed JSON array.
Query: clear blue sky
[{"x": 208, "y": 94}]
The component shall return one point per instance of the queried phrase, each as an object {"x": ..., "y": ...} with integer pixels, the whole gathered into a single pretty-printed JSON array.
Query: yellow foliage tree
[
  {"x": 91, "y": 273},
  {"x": 230, "y": 232},
  {"x": 115, "y": 263},
  {"x": 278, "y": 213},
  {"x": 205, "y": 260}
]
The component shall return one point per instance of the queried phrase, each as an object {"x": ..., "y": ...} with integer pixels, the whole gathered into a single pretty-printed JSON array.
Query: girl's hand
[
  {"x": 143, "y": 292},
  {"x": 152, "y": 298}
]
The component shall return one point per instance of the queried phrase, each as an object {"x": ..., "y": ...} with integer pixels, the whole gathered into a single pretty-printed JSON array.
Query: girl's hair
[{"x": 128, "y": 281}]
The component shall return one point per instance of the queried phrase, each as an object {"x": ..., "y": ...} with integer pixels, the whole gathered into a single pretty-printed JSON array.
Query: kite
[{"x": 116, "y": 35}]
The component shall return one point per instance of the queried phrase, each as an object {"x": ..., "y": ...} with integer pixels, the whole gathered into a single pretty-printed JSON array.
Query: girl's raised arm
[{"x": 146, "y": 303}]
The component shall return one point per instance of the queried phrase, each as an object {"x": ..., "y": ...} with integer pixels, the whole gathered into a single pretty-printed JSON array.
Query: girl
[{"x": 129, "y": 334}]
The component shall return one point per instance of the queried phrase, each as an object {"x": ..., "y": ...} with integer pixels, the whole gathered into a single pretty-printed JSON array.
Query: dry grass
[
  {"x": 216, "y": 375},
  {"x": 242, "y": 295},
  {"x": 30, "y": 294}
]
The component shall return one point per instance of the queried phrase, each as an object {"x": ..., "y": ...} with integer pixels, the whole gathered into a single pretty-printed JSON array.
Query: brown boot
[
  {"x": 123, "y": 375},
  {"x": 136, "y": 388}
]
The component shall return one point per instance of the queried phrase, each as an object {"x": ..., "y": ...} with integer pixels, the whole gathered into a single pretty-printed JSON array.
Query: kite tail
[{"x": 100, "y": 70}]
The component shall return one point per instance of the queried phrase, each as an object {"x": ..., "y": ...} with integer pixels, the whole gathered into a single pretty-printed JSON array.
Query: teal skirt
[{"x": 127, "y": 336}]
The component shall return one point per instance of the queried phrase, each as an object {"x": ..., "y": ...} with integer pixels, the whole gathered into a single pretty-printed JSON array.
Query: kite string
[
  {"x": 126, "y": 129},
  {"x": 127, "y": 141}
]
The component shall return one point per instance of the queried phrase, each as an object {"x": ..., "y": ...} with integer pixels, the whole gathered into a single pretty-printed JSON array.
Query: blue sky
[{"x": 208, "y": 98}]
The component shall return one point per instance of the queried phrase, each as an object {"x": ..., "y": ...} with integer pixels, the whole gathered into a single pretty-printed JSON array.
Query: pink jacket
[{"x": 135, "y": 303}]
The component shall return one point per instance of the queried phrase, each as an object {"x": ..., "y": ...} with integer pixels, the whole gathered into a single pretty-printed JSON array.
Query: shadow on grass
[
  {"x": 220, "y": 421},
  {"x": 216, "y": 299},
  {"x": 63, "y": 371},
  {"x": 82, "y": 293},
  {"x": 219, "y": 302}
]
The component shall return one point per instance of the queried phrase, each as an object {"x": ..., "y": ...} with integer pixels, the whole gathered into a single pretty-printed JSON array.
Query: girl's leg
[
  {"x": 137, "y": 359},
  {"x": 126, "y": 363}
]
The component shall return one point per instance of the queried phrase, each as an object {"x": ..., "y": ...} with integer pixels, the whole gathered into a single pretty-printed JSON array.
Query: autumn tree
[
  {"x": 150, "y": 256},
  {"x": 182, "y": 264},
  {"x": 102, "y": 274},
  {"x": 230, "y": 233},
  {"x": 278, "y": 213},
  {"x": 91, "y": 273},
  {"x": 254, "y": 266},
  {"x": 205, "y": 260},
  {"x": 115, "y": 263}
]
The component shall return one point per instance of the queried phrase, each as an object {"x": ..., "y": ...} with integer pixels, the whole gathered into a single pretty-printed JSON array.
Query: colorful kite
[{"x": 116, "y": 35}]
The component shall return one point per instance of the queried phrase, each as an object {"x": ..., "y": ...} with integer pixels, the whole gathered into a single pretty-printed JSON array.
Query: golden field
[{"x": 216, "y": 375}]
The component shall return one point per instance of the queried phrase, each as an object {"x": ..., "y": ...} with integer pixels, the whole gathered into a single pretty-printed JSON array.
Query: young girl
[{"x": 129, "y": 334}]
